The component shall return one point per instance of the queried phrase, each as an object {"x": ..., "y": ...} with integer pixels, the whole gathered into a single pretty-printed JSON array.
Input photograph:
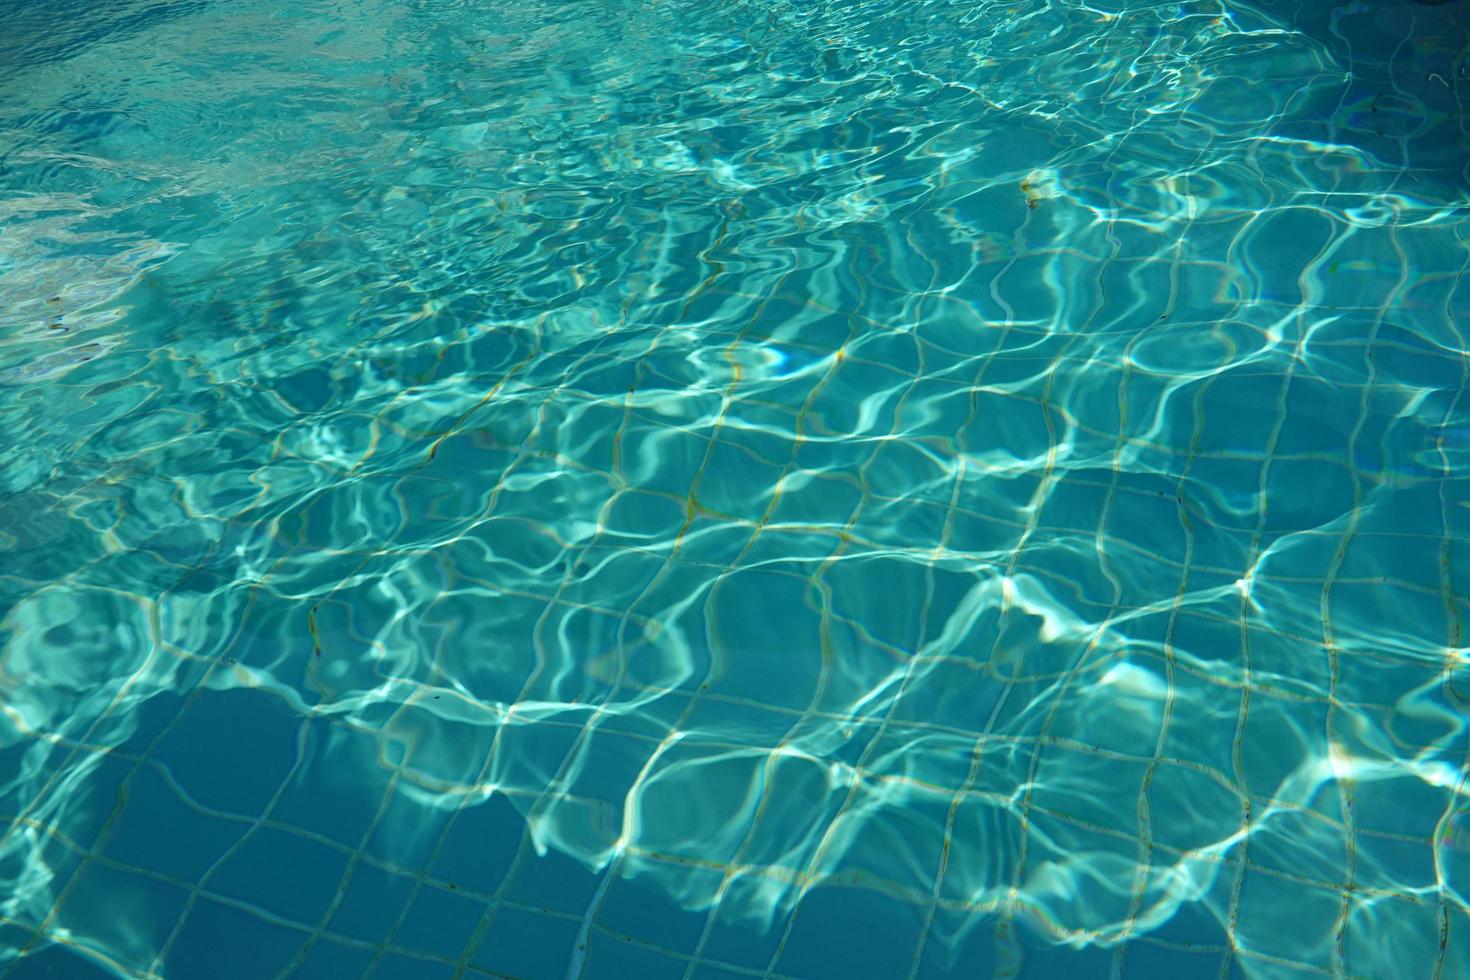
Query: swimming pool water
[{"x": 686, "y": 489}]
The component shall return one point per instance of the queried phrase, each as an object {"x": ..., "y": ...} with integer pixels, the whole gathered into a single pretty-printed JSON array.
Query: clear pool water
[{"x": 703, "y": 489}]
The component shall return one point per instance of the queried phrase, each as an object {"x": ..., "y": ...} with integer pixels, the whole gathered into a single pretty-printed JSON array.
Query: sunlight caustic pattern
[{"x": 706, "y": 490}]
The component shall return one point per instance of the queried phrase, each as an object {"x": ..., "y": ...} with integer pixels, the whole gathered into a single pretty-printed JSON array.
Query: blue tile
[
  {"x": 527, "y": 945},
  {"x": 371, "y": 903},
  {"x": 229, "y": 944},
  {"x": 408, "y": 832},
  {"x": 643, "y": 908},
  {"x": 58, "y": 962},
  {"x": 329, "y": 794},
  {"x": 739, "y": 941},
  {"x": 481, "y": 844},
  {"x": 395, "y": 967},
  {"x": 553, "y": 881},
  {"x": 707, "y": 972},
  {"x": 284, "y": 874},
  {"x": 879, "y": 935},
  {"x": 92, "y": 792},
  {"x": 248, "y": 734},
  {"x": 439, "y": 923},
  {"x": 126, "y": 915},
  {"x": 962, "y": 944},
  {"x": 328, "y": 960},
  {"x": 1148, "y": 961},
  {"x": 153, "y": 815},
  {"x": 1041, "y": 960},
  {"x": 609, "y": 958}
]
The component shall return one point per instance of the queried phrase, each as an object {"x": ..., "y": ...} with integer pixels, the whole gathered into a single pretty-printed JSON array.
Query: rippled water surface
[{"x": 687, "y": 489}]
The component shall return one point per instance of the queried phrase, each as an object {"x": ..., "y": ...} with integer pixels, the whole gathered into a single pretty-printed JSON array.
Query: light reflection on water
[{"x": 983, "y": 484}]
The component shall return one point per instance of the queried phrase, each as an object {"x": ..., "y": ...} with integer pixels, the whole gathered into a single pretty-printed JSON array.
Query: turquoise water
[{"x": 700, "y": 490}]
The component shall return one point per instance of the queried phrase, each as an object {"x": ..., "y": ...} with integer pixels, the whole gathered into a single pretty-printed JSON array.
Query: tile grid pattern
[{"x": 426, "y": 878}]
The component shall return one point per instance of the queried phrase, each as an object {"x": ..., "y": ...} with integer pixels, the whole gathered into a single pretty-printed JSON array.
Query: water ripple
[{"x": 1001, "y": 463}]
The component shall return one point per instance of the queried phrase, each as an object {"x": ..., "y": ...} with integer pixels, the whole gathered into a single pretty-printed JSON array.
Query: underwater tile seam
[{"x": 694, "y": 491}]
